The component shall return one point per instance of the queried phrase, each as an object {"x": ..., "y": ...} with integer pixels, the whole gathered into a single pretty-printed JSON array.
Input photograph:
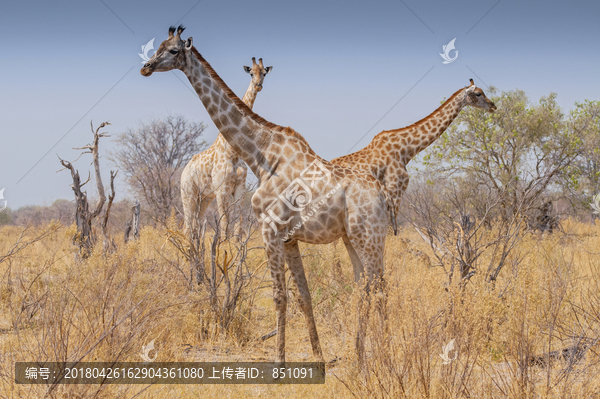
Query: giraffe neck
[
  {"x": 248, "y": 133},
  {"x": 248, "y": 99},
  {"x": 250, "y": 95},
  {"x": 423, "y": 133}
]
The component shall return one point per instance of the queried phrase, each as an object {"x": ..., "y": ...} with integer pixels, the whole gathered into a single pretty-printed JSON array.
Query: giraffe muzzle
[{"x": 146, "y": 69}]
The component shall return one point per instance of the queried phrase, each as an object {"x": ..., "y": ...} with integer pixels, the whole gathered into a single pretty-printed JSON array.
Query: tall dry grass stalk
[{"x": 534, "y": 335}]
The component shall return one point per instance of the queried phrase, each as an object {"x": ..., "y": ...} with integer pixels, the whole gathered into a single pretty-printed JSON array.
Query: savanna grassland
[{"x": 58, "y": 307}]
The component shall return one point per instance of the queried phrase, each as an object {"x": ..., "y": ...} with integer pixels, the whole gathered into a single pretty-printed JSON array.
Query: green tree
[
  {"x": 491, "y": 176},
  {"x": 584, "y": 182},
  {"x": 517, "y": 155}
]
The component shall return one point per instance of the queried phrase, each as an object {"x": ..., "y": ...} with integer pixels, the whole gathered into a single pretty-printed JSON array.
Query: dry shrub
[
  {"x": 534, "y": 335},
  {"x": 538, "y": 336},
  {"x": 103, "y": 308}
]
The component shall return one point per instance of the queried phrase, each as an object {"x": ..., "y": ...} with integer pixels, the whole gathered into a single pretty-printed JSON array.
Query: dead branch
[
  {"x": 85, "y": 238},
  {"x": 111, "y": 198},
  {"x": 109, "y": 244},
  {"x": 93, "y": 149}
]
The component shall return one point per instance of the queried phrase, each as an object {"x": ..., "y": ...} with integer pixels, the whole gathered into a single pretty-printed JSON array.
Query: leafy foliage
[{"x": 516, "y": 154}]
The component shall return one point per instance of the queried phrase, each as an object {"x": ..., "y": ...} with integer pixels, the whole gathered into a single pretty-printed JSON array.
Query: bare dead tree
[
  {"x": 152, "y": 158},
  {"x": 85, "y": 238}
]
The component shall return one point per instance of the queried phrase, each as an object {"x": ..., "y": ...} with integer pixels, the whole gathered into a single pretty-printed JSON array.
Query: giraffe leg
[
  {"x": 201, "y": 209},
  {"x": 238, "y": 197},
  {"x": 363, "y": 315},
  {"x": 294, "y": 262},
  {"x": 189, "y": 209},
  {"x": 194, "y": 208},
  {"x": 357, "y": 265},
  {"x": 368, "y": 268},
  {"x": 275, "y": 255}
]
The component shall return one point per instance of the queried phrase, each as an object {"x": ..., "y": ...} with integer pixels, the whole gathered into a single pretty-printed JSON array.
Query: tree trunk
[
  {"x": 133, "y": 226},
  {"x": 85, "y": 238}
]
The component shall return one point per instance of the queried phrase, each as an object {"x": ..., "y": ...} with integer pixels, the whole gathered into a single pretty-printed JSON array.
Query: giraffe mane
[
  {"x": 240, "y": 104},
  {"x": 384, "y": 132}
]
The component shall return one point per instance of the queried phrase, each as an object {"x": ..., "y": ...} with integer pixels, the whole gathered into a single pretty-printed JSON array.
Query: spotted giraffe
[
  {"x": 301, "y": 197},
  {"x": 387, "y": 155}
]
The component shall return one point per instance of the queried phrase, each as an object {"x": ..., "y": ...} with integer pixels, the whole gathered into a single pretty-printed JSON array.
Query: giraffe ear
[
  {"x": 188, "y": 43},
  {"x": 247, "y": 69},
  {"x": 268, "y": 69}
]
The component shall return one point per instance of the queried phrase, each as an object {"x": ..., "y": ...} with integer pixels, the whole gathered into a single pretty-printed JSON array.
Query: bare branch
[{"x": 83, "y": 217}]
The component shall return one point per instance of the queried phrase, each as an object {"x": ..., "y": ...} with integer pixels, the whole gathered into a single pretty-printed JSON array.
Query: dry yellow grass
[{"x": 53, "y": 307}]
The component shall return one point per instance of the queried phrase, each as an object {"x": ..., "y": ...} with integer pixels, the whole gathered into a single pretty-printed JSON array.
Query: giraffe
[
  {"x": 387, "y": 155},
  {"x": 218, "y": 172},
  {"x": 301, "y": 196}
]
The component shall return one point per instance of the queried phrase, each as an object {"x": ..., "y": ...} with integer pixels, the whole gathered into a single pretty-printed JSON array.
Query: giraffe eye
[
  {"x": 478, "y": 94},
  {"x": 173, "y": 51}
]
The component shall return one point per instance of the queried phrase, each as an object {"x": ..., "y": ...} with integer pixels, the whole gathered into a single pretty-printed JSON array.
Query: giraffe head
[
  {"x": 476, "y": 98},
  {"x": 170, "y": 54},
  {"x": 257, "y": 72}
]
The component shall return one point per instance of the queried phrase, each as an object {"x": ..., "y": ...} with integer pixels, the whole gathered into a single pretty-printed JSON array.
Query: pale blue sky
[{"x": 338, "y": 68}]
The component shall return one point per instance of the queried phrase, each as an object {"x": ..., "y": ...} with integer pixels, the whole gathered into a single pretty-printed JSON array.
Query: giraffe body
[
  {"x": 387, "y": 155},
  {"x": 218, "y": 172},
  {"x": 297, "y": 188}
]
